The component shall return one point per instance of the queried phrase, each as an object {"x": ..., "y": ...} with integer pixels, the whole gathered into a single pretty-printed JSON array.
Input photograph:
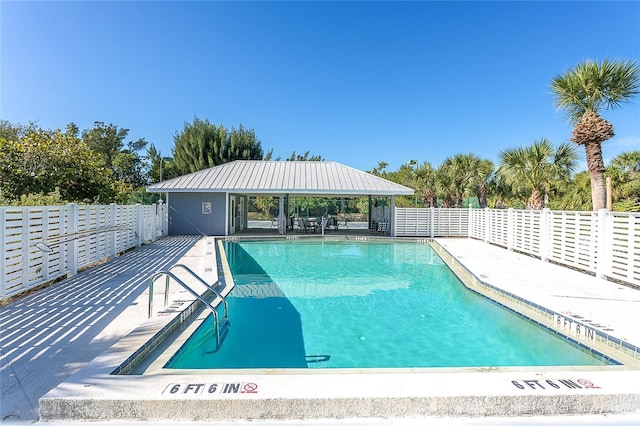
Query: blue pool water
[{"x": 345, "y": 304}]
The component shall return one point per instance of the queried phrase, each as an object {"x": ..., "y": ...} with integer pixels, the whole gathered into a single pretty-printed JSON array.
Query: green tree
[
  {"x": 266, "y": 204},
  {"x": 538, "y": 169},
  {"x": 123, "y": 158},
  {"x": 42, "y": 161},
  {"x": 462, "y": 176},
  {"x": 105, "y": 140},
  {"x": 161, "y": 168},
  {"x": 201, "y": 145},
  {"x": 304, "y": 157},
  {"x": 446, "y": 185},
  {"x": 380, "y": 169},
  {"x": 406, "y": 175},
  {"x": 481, "y": 173},
  {"x": 624, "y": 172},
  {"x": 582, "y": 92},
  {"x": 577, "y": 195},
  {"x": 242, "y": 144},
  {"x": 426, "y": 178},
  {"x": 15, "y": 132},
  {"x": 500, "y": 192}
]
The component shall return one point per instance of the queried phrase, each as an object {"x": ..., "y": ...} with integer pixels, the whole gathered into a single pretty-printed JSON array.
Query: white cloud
[{"x": 626, "y": 143}]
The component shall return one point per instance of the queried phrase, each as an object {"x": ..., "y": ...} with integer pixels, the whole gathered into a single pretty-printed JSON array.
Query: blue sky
[{"x": 355, "y": 82}]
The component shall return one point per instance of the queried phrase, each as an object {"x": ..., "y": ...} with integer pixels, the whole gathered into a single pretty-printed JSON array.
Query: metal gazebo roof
[{"x": 310, "y": 178}]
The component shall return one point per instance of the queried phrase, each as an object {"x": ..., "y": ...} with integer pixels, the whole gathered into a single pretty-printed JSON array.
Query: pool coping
[{"x": 96, "y": 394}]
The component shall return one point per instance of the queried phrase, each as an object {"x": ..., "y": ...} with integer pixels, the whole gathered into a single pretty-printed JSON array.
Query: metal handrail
[
  {"x": 203, "y": 282},
  {"x": 190, "y": 290}
]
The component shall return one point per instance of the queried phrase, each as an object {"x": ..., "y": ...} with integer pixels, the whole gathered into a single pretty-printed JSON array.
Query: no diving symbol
[
  {"x": 587, "y": 384},
  {"x": 250, "y": 388}
]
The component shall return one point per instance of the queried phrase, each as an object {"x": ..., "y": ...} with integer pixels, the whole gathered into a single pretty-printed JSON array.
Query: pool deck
[{"x": 60, "y": 344}]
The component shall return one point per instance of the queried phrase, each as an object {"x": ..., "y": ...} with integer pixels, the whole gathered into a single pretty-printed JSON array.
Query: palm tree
[
  {"x": 445, "y": 185},
  {"x": 628, "y": 162},
  {"x": 582, "y": 92},
  {"x": 624, "y": 172},
  {"x": 450, "y": 183},
  {"x": 480, "y": 171},
  {"x": 266, "y": 204},
  {"x": 538, "y": 169},
  {"x": 577, "y": 194},
  {"x": 426, "y": 177},
  {"x": 464, "y": 175}
]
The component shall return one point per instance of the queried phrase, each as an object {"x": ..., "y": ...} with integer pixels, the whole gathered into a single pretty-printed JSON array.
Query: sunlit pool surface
[{"x": 347, "y": 304}]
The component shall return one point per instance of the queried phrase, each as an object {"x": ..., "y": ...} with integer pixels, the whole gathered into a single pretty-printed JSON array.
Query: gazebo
[{"x": 214, "y": 201}]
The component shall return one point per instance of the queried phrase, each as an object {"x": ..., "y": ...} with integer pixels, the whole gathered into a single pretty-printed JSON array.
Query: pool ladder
[{"x": 221, "y": 326}]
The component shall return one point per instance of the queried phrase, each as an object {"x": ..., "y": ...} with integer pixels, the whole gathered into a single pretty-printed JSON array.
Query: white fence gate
[{"x": 40, "y": 244}]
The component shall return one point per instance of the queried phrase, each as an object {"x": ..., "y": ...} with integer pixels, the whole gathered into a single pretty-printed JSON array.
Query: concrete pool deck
[{"x": 84, "y": 390}]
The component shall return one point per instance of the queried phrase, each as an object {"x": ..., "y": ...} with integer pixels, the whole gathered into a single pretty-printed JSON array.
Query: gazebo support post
[
  {"x": 281, "y": 225},
  {"x": 392, "y": 217}
]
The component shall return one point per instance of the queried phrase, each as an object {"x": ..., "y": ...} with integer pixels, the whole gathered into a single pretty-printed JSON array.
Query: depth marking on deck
[
  {"x": 538, "y": 384},
  {"x": 208, "y": 389}
]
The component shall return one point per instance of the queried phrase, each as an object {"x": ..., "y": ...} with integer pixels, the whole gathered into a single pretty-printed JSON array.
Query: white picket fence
[
  {"x": 41, "y": 244},
  {"x": 604, "y": 243}
]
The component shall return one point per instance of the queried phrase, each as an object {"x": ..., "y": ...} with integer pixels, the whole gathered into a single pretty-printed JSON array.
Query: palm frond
[{"x": 593, "y": 85}]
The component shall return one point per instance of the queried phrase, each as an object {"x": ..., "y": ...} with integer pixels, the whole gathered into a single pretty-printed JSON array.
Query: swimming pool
[{"x": 375, "y": 304}]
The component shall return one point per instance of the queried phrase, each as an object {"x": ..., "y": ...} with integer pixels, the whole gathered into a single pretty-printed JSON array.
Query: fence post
[
  {"x": 72, "y": 228},
  {"x": 605, "y": 249},
  {"x": 24, "y": 272},
  {"x": 139, "y": 224},
  {"x": 545, "y": 235},
  {"x": 487, "y": 223},
  {"x": 3, "y": 255},
  {"x": 154, "y": 222},
  {"x": 432, "y": 225},
  {"x": 392, "y": 217},
  {"x": 45, "y": 237},
  {"x": 114, "y": 236},
  {"x": 164, "y": 220},
  {"x": 510, "y": 228}
]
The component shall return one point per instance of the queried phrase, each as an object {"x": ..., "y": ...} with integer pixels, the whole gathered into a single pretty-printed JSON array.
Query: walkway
[{"x": 47, "y": 336}]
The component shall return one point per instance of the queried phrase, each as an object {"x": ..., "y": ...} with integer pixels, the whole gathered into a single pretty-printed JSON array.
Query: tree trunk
[
  {"x": 482, "y": 195},
  {"x": 591, "y": 131},
  {"x": 536, "y": 200},
  {"x": 595, "y": 165}
]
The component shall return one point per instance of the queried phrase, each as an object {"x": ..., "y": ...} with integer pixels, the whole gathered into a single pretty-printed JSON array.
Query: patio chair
[
  {"x": 332, "y": 222},
  {"x": 381, "y": 227},
  {"x": 305, "y": 225},
  {"x": 346, "y": 222}
]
